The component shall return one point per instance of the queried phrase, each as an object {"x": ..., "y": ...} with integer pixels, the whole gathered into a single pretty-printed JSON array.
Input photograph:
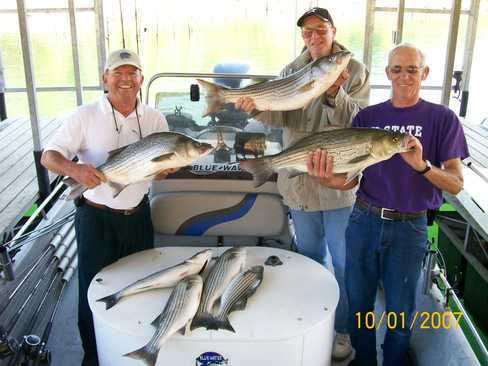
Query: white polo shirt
[{"x": 90, "y": 133}]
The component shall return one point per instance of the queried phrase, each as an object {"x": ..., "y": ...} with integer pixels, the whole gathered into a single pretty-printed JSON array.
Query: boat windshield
[{"x": 232, "y": 132}]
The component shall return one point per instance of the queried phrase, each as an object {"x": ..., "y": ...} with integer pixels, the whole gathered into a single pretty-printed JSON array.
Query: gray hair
[{"x": 407, "y": 45}]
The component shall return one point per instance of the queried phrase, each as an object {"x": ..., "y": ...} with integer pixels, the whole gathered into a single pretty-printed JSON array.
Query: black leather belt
[
  {"x": 389, "y": 214},
  {"x": 127, "y": 212}
]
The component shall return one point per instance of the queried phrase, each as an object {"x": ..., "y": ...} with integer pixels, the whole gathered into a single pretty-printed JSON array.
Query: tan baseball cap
[{"x": 122, "y": 57}]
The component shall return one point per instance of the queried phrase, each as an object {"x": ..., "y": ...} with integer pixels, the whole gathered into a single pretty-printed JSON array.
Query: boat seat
[{"x": 218, "y": 218}]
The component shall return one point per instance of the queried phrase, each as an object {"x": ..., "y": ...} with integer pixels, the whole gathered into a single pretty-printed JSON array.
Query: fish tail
[
  {"x": 144, "y": 354},
  {"x": 76, "y": 189},
  {"x": 110, "y": 300},
  {"x": 213, "y": 96},
  {"x": 259, "y": 168},
  {"x": 201, "y": 320},
  {"x": 223, "y": 323}
]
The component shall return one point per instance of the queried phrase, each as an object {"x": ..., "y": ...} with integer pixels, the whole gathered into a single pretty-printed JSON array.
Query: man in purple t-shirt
[{"x": 386, "y": 238}]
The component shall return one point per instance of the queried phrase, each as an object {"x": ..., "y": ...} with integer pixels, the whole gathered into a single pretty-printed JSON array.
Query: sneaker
[{"x": 342, "y": 347}]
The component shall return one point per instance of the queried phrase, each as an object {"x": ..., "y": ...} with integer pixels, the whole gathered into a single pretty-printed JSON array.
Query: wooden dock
[{"x": 18, "y": 182}]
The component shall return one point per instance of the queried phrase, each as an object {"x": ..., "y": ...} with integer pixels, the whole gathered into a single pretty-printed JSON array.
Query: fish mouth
[{"x": 403, "y": 144}]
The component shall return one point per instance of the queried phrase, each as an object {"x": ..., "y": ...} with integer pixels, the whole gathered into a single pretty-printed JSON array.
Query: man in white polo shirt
[{"x": 107, "y": 228}]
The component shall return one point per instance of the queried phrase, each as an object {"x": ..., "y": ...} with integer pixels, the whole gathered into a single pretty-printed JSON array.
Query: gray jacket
[{"x": 302, "y": 193}]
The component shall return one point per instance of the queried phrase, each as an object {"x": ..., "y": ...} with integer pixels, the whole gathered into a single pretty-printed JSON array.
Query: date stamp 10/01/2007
[{"x": 422, "y": 319}]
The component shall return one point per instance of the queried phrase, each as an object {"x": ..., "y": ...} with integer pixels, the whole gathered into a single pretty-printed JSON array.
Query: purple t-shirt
[{"x": 393, "y": 183}]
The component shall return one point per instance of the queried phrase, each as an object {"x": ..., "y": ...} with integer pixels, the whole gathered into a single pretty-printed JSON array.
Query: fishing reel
[
  {"x": 34, "y": 349},
  {"x": 8, "y": 345}
]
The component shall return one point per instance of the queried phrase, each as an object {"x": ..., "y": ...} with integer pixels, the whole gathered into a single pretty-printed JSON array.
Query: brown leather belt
[
  {"x": 127, "y": 212},
  {"x": 389, "y": 214}
]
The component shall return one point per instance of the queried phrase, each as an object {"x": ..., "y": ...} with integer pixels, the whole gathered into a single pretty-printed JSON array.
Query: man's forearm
[
  {"x": 448, "y": 180},
  {"x": 57, "y": 163}
]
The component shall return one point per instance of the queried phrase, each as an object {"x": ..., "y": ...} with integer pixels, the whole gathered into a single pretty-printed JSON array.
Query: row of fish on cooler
[{"x": 192, "y": 303}]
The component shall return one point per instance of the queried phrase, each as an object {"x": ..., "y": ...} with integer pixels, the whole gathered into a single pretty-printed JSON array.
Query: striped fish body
[
  {"x": 353, "y": 149},
  {"x": 167, "y": 277},
  {"x": 235, "y": 296},
  {"x": 295, "y": 91},
  {"x": 229, "y": 264},
  {"x": 144, "y": 159},
  {"x": 178, "y": 312}
]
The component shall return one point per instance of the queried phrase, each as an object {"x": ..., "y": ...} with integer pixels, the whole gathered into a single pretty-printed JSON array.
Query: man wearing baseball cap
[
  {"x": 107, "y": 227},
  {"x": 320, "y": 214}
]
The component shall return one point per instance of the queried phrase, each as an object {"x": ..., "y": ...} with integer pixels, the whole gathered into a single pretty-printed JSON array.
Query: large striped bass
[
  {"x": 144, "y": 159},
  {"x": 167, "y": 277},
  {"x": 235, "y": 296},
  {"x": 292, "y": 92},
  {"x": 229, "y": 264},
  {"x": 353, "y": 149},
  {"x": 177, "y": 314}
]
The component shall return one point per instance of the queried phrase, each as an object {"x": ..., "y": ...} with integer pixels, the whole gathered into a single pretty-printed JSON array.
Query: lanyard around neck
[{"x": 115, "y": 119}]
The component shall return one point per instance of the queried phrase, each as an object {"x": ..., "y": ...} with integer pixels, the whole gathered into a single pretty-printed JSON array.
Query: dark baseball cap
[{"x": 317, "y": 12}]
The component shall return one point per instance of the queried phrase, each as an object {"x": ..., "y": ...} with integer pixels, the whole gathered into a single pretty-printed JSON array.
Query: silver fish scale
[
  {"x": 339, "y": 146},
  {"x": 150, "y": 147},
  {"x": 171, "y": 311},
  {"x": 214, "y": 279},
  {"x": 236, "y": 289},
  {"x": 274, "y": 89}
]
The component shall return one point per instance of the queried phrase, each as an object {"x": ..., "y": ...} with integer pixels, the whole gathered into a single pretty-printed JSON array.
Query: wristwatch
[{"x": 428, "y": 166}]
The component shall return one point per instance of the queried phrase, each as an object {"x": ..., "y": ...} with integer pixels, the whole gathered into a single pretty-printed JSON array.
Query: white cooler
[{"x": 289, "y": 321}]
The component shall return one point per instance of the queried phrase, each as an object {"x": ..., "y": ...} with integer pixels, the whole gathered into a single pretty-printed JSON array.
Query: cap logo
[{"x": 124, "y": 55}]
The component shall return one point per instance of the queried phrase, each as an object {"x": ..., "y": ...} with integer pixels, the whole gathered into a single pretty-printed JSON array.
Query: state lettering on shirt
[{"x": 415, "y": 130}]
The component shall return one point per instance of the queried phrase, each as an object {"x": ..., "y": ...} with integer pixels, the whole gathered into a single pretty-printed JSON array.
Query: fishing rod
[
  {"x": 8, "y": 345},
  {"x": 31, "y": 342},
  {"x": 43, "y": 354},
  {"x": 55, "y": 242}
]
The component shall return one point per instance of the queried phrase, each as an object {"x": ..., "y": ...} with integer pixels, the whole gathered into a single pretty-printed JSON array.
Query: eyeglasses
[
  {"x": 412, "y": 70},
  {"x": 307, "y": 32}
]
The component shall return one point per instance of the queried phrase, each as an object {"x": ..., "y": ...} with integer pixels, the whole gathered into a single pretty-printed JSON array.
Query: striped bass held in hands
[
  {"x": 229, "y": 264},
  {"x": 177, "y": 314},
  {"x": 235, "y": 296},
  {"x": 144, "y": 159},
  {"x": 353, "y": 149},
  {"x": 167, "y": 277},
  {"x": 293, "y": 92}
]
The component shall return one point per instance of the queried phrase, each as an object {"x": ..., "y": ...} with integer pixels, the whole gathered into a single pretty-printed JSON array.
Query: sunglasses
[
  {"x": 412, "y": 70},
  {"x": 307, "y": 32}
]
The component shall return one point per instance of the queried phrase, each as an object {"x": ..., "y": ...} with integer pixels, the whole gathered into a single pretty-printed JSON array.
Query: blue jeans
[
  {"x": 316, "y": 231},
  {"x": 390, "y": 251}
]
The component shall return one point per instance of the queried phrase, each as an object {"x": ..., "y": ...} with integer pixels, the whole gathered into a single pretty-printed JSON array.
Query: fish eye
[{"x": 395, "y": 139}]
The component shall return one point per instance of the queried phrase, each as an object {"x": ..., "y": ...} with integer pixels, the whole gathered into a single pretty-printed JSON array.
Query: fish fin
[
  {"x": 292, "y": 173},
  {"x": 205, "y": 320},
  {"x": 114, "y": 152},
  {"x": 144, "y": 354},
  {"x": 163, "y": 157},
  {"x": 307, "y": 87},
  {"x": 116, "y": 188},
  {"x": 259, "y": 168},
  {"x": 352, "y": 175},
  {"x": 186, "y": 329},
  {"x": 212, "y": 92},
  {"x": 224, "y": 324},
  {"x": 359, "y": 159},
  {"x": 205, "y": 265},
  {"x": 110, "y": 300},
  {"x": 76, "y": 189},
  {"x": 155, "y": 322},
  {"x": 240, "y": 305}
]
